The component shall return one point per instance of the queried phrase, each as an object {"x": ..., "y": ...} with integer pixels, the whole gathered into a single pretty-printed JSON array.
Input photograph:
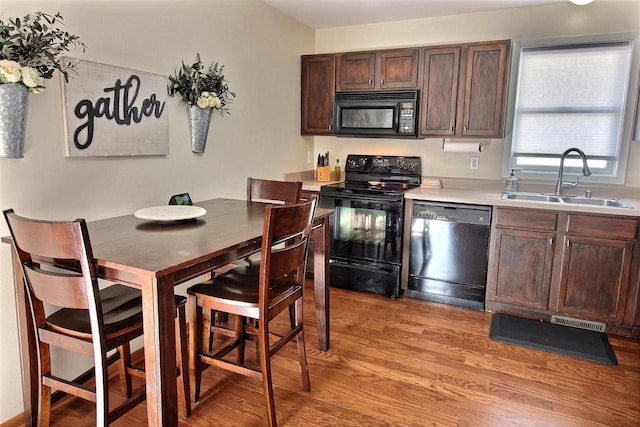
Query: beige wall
[
  {"x": 556, "y": 20},
  {"x": 260, "y": 49}
]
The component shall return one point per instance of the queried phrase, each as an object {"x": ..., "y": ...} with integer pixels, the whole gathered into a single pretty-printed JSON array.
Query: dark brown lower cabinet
[
  {"x": 519, "y": 251},
  {"x": 573, "y": 264}
]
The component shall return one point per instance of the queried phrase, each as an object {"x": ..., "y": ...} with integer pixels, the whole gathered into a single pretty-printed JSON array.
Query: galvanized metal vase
[
  {"x": 200, "y": 119},
  {"x": 14, "y": 102}
]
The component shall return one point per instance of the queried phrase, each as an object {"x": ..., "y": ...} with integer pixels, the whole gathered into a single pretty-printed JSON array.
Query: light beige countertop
[
  {"x": 313, "y": 185},
  {"x": 489, "y": 193},
  {"x": 494, "y": 198},
  {"x": 308, "y": 179}
]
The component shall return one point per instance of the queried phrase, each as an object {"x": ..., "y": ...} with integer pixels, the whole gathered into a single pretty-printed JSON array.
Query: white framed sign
[{"x": 114, "y": 111}]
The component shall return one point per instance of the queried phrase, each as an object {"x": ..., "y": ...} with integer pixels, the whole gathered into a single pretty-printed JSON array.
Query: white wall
[
  {"x": 556, "y": 20},
  {"x": 260, "y": 49}
]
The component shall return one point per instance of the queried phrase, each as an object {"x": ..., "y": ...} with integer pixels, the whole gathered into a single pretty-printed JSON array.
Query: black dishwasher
[{"x": 449, "y": 247}]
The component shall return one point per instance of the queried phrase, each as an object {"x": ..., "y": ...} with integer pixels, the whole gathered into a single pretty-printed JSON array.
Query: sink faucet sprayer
[{"x": 560, "y": 185}]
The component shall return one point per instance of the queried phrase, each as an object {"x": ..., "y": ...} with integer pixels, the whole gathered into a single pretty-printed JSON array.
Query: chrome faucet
[{"x": 561, "y": 185}]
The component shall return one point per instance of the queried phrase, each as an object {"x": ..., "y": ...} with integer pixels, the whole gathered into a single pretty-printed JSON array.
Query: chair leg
[
  {"x": 302, "y": 351},
  {"x": 102, "y": 391},
  {"x": 44, "y": 398},
  {"x": 195, "y": 347},
  {"x": 184, "y": 392},
  {"x": 208, "y": 321},
  {"x": 241, "y": 335},
  {"x": 124, "y": 362},
  {"x": 265, "y": 368}
]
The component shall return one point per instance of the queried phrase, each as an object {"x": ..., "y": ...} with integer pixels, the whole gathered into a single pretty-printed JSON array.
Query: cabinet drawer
[
  {"x": 528, "y": 219},
  {"x": 602, "y": 226}
]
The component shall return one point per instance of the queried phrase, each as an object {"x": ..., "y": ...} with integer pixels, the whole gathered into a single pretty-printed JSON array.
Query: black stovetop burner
[{"x": 370, "y": 174}]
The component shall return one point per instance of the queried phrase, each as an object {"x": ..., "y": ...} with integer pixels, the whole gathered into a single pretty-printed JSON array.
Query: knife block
[{"x": 323, "y": 173}]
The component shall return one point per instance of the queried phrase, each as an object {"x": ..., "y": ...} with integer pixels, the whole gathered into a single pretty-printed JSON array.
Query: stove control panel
[{"x": 384, "y": 165}]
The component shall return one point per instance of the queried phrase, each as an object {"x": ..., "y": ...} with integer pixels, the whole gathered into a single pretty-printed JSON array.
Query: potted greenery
[
  {"x": 203, "y": 90},
  {"x": 31, "y": 50}
]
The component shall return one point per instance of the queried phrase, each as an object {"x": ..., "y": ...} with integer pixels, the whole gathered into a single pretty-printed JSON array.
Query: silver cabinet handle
[
  {"x": 382, "y": 81},
  {"x": 452, "y": 129},
  {"x": 464, "y": 128},
  {"x": 370, "y": 82}
]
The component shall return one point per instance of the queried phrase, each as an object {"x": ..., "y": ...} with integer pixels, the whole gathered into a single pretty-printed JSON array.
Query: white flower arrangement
[
  {"x": 209, "y": 100},
  {"x": 32, "y": 48},
  {"x": 12, "y": 72},
  {"x": 201, "y": 86}
]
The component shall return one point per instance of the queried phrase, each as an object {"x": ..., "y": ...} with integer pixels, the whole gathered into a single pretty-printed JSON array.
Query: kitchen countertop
[
  {"x": 486, "y": 194},
  {"x": 494, "y": 198},
  {"x": 313, "y": 185}
]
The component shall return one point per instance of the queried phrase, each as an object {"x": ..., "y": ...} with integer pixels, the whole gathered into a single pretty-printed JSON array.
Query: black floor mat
[{"x": 565, "y": 340}]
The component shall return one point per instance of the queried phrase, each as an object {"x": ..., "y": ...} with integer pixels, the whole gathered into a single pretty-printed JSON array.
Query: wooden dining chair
[
  {"x": 265, "y": 190},
  {"x": 59, "y": 270},
  {"x": 259, "y": 296},
  {"x": 273, "y": 191}
]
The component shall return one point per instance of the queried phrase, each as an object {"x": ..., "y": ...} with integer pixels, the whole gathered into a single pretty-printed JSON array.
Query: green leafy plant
[
  {"x": 204, "y": 87},
  {"x": 32, "y": 48}
]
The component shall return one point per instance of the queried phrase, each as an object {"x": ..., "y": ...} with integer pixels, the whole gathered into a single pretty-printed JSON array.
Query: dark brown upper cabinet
[
  {"x": 463, "y": 90},
  {"x": 318, "y": 90},
  {"x": 440, "y": 75},
  {"x": 388, "y": 69},
  {"x": 463, "y": 87}
]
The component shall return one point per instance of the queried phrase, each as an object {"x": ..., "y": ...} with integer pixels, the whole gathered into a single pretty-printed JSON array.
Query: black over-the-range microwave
[{"x": 390, "y": 114}]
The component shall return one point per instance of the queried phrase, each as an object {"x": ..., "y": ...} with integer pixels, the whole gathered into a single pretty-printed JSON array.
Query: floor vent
[{"x": 578, "y": 323}]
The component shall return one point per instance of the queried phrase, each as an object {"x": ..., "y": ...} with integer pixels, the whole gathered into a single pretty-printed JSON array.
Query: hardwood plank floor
[{"x": 408, "y": 362}]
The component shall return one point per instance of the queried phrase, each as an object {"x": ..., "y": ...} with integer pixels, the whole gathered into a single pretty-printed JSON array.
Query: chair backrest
[
  {"x": 42, "y": 248},
  {"x": 285, "y": 242},
  {"x": 273, "y": 191}
]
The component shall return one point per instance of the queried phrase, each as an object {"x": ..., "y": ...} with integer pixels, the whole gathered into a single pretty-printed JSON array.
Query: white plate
[{"x": 170, "y": 213}]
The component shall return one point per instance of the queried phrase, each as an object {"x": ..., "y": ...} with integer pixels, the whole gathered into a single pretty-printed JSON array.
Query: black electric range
[{"x": 366, "y": 230}]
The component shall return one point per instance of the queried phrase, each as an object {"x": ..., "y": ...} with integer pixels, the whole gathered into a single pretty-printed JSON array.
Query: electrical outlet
[{"x": 475, "y": 161}]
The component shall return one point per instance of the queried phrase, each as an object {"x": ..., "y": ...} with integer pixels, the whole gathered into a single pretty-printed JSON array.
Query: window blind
[{"x": 570, "y": 96}]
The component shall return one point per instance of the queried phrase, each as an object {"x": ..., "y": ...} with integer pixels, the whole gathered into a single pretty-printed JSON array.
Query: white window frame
[{"x": 628, "y": 113}]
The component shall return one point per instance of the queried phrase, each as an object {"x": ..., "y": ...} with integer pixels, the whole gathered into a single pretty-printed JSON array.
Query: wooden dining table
[{"x": 155, "y": 256}]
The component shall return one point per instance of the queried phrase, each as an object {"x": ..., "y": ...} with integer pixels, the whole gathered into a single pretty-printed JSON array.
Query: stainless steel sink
[
  {"x": 573, "y": 200},
  {"x": 597, "y": 201},
  {"x": 532, "y": 197}
]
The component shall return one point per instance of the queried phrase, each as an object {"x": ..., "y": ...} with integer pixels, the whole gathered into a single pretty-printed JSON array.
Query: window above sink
[{"x": 573, "y": 92}]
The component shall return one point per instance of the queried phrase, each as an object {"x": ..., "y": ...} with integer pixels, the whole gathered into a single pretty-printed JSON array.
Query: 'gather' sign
[{"x": 114, "y": 111}]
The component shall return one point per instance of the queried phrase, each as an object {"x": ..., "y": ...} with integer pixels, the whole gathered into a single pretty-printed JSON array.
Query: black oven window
[
  {"x": 367, "y": 118},
  {"x": 366, "y": 234},
  {"x": 361, "y": 225}
]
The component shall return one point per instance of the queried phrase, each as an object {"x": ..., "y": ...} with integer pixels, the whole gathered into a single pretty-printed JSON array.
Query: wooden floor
[{"x": 408, "y": 362}]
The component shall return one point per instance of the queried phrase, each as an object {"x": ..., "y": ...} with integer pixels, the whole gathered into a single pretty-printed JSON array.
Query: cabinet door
[
  {"x": 486, "y": 66},
  {"x": 520, "y": 271},
  {"x": 398, "y": 69},
  {"x": 440, "y": 74},
  {"x": 595, "y": 277},
  {"x": 357, "y": 71},
  {"x": 318, "y": 90}
]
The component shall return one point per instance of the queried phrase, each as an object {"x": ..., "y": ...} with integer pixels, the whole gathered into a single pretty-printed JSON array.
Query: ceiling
[{"x": 338, "y": 13}]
